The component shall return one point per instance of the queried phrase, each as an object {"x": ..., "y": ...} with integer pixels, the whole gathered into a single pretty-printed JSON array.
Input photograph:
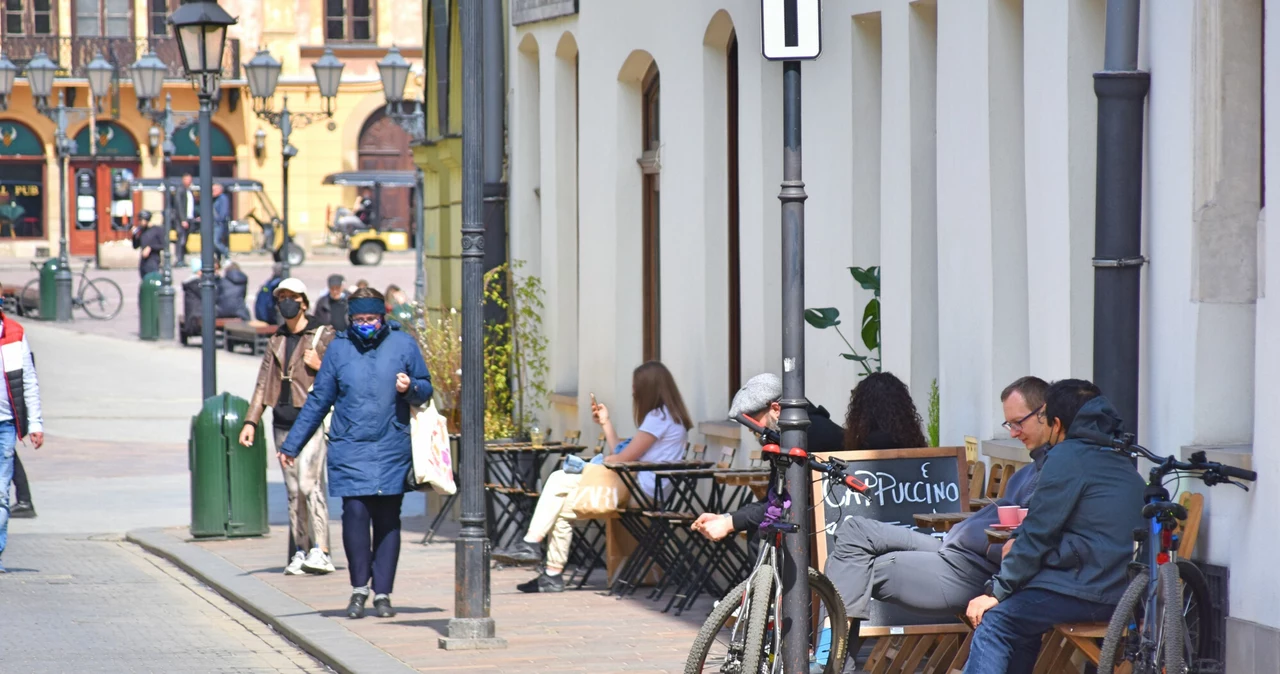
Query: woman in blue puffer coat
[{"x": 372, "y": 376}]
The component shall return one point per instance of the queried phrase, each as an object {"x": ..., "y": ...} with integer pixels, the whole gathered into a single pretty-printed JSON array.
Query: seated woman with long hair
[{"x": 663, "y": 423}]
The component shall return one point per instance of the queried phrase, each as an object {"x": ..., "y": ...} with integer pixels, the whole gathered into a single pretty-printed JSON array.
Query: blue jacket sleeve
[
  {"x": 1052, "y": 503},
  {"x": 323, "y": 393},
  {"x": 420, "y": 379}
]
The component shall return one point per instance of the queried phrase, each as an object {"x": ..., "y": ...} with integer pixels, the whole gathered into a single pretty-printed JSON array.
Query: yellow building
[
  {"x": 72, "y": 32},
  {"x": 440, "y": 155}
]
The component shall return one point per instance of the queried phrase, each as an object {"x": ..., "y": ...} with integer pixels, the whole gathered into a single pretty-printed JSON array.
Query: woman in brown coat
[{"x": 288, "y": 369}]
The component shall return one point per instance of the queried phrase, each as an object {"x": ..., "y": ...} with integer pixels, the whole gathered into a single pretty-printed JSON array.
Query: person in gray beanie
[{"x": 760, "y": 399}]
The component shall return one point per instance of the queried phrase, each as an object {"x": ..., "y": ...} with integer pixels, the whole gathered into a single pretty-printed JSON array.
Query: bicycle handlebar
[{"x": 1213, "y": 472}]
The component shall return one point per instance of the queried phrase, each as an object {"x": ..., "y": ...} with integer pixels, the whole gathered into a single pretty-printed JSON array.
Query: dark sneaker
[
  {"x": 543, "y": 583},
  {"x": 521, "y": 552},
  {"x": 22, "y": 510},
  {"x": 382, "y": 607},
  {"x": 355, "y": 609}
]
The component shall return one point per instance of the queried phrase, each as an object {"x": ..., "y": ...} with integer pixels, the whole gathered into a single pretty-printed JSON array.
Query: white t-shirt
[{"x": 669, "y": 445}]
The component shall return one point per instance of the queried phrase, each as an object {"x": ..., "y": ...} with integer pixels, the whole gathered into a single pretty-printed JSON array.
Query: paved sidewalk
[{"x": 577, "y": 631}]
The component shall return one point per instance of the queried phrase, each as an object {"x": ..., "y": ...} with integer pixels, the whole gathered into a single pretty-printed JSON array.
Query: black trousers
[
  {"x": 21, "y": 487},
  {"x": 375, "y": 556}
]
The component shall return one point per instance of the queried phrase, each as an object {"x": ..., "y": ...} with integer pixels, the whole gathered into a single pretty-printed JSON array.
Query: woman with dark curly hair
[{"x": 882, "y": 415}]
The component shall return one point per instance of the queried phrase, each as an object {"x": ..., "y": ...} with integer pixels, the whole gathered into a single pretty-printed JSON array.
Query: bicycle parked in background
[
  {"x": 741, "y": 636},
  {"x": 1162, "y": 624},
  {"x": 100, "y": 298}
]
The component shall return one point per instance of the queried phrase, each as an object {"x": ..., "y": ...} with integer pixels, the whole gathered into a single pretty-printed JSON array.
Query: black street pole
[
  {"x": 1121, "y": 89},
  {"x": 62, "y": 277},
  {"x": 794, "y": 419},
  {"x": 472, "y": 627},
  {"x": 207, "y": 300},
  {"x": 286, "y": 153}
]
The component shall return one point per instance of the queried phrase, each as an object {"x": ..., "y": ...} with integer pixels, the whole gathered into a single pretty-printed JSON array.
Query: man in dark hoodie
[{"x": 1070, "y": 558}]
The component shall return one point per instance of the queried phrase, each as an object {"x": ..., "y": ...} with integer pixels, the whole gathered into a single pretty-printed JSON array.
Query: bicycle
[
  {"x": 100, "y": 298},
  {"x": 753, "y": 645},
  {"x": 1162, "y": 623}
]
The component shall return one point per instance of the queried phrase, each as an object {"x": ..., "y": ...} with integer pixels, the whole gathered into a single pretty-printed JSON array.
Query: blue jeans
[
  {"x": 221, "y": 240},
  {"x": 1008, "y": 639},
  {"x": 8, "y": 442}
]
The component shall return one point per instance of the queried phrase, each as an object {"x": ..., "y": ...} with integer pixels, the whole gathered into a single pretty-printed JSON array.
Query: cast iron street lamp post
[
  {"x": 201, "y": 28},
  {"x": 472, "y": 627},
  {"x": 148, "y": 80},
  {"x": 264, "y": 73},
  {"x": 393, "y": 70},
  {"x": 40, "y": 74}
]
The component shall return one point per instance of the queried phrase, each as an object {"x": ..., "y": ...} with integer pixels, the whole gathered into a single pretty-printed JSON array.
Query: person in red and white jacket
[{"x": 19, "y": 410}]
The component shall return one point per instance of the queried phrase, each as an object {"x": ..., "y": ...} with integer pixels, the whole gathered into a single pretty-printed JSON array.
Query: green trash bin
[
  {"x": 48, "y": 290},
  {"x": 148, "y": 307},
  {"x": 228, "y": 480}
]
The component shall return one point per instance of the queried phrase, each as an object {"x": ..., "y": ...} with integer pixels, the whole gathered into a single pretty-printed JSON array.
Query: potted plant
[
  {"x": 440, "y": 339},
  {"x": 515, "y": 353}
]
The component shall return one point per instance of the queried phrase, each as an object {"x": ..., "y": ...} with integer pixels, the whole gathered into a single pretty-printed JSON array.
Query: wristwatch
[{"x": 989, "y": 589}]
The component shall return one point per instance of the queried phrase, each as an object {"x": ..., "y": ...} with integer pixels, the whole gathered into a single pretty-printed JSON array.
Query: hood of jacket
[{"x": 1096, "y": 424}]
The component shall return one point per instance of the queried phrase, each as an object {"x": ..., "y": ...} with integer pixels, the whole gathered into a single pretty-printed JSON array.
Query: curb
[{"x": 321, "y": 637}]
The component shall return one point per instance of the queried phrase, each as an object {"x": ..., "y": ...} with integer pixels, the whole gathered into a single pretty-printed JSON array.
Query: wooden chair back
[
  {"x": 696, "y": 452},
  {"x": 977, "y": 479},
  {"x": 970, "y": 448},
  {"x": 1189, "y": 529},
  {"x": 601, "y": 443},
  {"x": 928, "y": 649},
  {"x": 572, "y": 437},
  {"x": 1001, "y": 471},
  {"x": 726, "y": 457}
]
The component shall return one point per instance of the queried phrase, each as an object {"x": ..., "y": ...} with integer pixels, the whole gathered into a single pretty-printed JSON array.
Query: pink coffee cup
[
  {"x": 1022, "y": 514},
  {"x": 1008, "y": 514}
]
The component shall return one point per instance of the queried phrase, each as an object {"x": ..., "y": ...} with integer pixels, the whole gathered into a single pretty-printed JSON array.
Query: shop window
[
  {"x": 22, "y": 200},
  {"x": 348, "y": 20},
  {"x": 28, "y": 17},
  {"x": 158, "y": 12}
]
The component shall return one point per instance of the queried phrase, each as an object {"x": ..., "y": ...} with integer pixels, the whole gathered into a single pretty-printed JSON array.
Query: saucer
[{"x": 1005, "y": 527}]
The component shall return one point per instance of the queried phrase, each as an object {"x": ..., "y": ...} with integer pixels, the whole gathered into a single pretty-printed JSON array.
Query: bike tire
[
  {"x": 757, "y": 619},
  {"x": 101, "y": 298},
  {"x": 1198, "y": 619},
  {"x": 1121, "y": 619},
  {"x": 718, "y": 621},
  {"x": 29, "y": 301},
  {"x": 1173, "y": 628}
]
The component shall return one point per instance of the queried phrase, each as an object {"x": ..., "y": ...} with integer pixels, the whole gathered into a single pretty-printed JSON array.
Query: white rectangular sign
[{"x": 791, "y": 29}]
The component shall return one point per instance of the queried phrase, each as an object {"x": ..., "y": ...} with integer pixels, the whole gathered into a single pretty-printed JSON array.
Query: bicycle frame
[{"x": 1161, "y": 546}]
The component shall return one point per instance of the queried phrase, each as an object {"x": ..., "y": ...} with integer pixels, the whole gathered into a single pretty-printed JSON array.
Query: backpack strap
[{"x": 315, "y": 339}]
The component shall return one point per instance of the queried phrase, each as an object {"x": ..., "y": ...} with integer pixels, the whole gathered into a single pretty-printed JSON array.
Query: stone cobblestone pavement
[
  {"x": 98, "y": 604},
  {"x": 576, "y": 631}
]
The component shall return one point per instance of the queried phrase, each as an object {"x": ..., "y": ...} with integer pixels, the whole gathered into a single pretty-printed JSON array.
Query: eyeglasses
[
  {"x": 1017, "y": 425},
  {"x": 365, "y": 320}
]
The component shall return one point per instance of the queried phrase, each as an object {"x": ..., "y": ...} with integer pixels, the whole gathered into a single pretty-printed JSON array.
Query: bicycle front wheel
[
  {"x": 101, "y": 298},
  {"x": 1123, "y": 642},
  {"x": 717, "y": 650},
  {"x": 1173, "y": 632}
]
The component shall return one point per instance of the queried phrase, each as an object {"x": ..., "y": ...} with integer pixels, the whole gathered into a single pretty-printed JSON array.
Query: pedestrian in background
[
  {"x": 233, "y": 290},
  {"x": 188, "y": 216},
  {"x": 149, "y": 240},
  {"x": 221, "y": 222},
  {"x": 372, "y": 376},
  {"x": 19, "y": 410},
  {"x": 288, "y": 369},
  {"x": 332, "y": 308}
]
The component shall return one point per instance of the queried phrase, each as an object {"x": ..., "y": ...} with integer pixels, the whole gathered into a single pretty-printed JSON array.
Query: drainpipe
[
  {"x": 495, "y": 188},
  {"x": 1122, "y": 90}
]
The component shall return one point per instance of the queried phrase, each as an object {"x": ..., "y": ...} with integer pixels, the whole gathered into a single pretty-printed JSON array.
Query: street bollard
[
  {"x": 48, "y": 290},
  {"x": 148, "y": 309},
  {"x": 228, "y": 480}
]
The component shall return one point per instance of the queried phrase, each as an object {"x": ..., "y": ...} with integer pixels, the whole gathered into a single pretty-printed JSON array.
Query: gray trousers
[{"x": 894, "y": 564}]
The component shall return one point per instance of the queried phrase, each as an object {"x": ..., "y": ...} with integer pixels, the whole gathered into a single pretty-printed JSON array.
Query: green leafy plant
[
  {"x": 935, "y": 415},
  {"x": 515, "y": 353},
  {"x": 829, "y": 317},
  {"x": 440, "y": 339}
]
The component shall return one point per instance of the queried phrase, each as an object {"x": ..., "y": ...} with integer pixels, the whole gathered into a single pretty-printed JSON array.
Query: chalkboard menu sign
[{"x": 901, "y": 483}]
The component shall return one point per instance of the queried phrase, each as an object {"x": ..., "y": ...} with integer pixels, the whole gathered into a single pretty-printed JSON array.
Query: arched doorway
[
  {"x": 384, "y": 146},
  {"x": 103, "y": 165}
]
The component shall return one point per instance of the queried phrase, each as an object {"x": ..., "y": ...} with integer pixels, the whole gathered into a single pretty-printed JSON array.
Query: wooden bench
[
  {"x": 219, "y": 327},
  {"x": 254, "y": 334},
  {"x": 929, "y": 649}
]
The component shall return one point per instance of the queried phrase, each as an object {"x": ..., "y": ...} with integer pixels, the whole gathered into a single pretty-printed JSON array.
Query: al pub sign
[{"x": 791, "y": 29}]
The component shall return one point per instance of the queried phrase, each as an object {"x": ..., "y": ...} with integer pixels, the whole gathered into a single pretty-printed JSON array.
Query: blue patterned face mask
[{"x": 367, "y": 330}]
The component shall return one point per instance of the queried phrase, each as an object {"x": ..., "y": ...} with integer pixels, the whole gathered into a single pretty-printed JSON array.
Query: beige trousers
[
  {"x": 553, "y": 516},
  {"x": 306, "y": 484}
]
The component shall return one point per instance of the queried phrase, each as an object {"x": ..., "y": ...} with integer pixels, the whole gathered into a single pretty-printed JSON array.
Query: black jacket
[
  {"x": 233, "y": 287},
  {"x": 825, "y": 435},
  {"x": 332, "y": 312},
  {"x": 153, "y": 238},
  {"x": 1077, "y": 539}
]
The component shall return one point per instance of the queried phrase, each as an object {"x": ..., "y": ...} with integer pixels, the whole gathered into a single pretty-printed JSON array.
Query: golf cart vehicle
[
  {"x": 365, "y": 244},
  {"x": 259, "y": 230}
]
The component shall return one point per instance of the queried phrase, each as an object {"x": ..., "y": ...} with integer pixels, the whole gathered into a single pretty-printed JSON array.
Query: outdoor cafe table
[
  {"x": 513, "y": 476},
  {"x": 940, "y": 522},
  {"x": 998, "y": 537}
]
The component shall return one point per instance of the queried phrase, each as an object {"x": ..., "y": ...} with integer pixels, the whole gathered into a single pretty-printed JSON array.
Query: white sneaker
[
  {"x": 295, "y": 564},
  {"x": 317, "y": 562}
]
